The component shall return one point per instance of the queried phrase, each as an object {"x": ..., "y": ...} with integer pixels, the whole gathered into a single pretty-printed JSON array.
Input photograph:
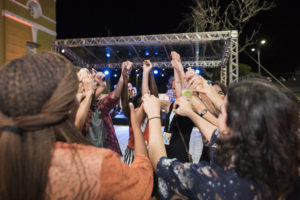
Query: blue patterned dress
[{"x": 204, "y": 180}]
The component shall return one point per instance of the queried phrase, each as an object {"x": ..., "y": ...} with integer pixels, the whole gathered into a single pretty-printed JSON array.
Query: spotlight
[
  {"x": 147, "y": 53},
  {"x": 129, "y": 53},
  {"x": 156, "y": 53},
  {"x": 155, "y": 71},
  {"x": 107, "y": 53},
  {"x": 106, "y": 72},
  {"x": 252, "y": 49},
  {"x": 197, "y": 71},
  {"x": 63, "y": 50},
  {"x": 197, "y": 52},
  {"x": 115, "y": 75},
  {"x": 162, "y": 75},
  {"x": 138, "y": 75}
]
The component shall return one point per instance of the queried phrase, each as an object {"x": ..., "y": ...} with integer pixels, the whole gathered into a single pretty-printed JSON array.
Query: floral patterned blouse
[{"x": 204, "y": 180}]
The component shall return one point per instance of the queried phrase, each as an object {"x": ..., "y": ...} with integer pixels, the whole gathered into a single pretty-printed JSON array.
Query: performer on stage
[{"x": 132, "y": 91}]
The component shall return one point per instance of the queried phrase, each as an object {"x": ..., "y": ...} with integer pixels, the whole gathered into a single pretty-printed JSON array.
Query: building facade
[{"x": 26, "y": 26}]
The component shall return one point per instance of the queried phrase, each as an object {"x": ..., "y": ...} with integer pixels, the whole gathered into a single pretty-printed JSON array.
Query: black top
[{"x": 176, "y": 147}]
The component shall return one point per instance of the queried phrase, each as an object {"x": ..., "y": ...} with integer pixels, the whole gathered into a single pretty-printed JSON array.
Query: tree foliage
[{"x": 211, "y": 15}]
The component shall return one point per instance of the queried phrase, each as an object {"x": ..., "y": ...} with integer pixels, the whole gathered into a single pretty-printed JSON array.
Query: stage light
[
  {"x": 129, "y": 53},
  {"x": 162, "y": 75},
  {"x": 115, "y": 75},
  {"x": 107, "y": 53},
  {"x": 197, "y": 52},
  {"x": 106, "y": 72},
  {"x": 147, "y": 53},
  {"x": 155, "y": 71},
  {"x": 252, "y": 49},
  {"x": 63, "y": 51},
  {"x": 138, "y": 75},
  {"x": 156, "y": 53},
  {"x": 198, "y": 71}
]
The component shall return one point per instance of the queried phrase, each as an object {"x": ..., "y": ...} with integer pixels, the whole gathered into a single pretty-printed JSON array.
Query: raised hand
[
  {"x": 100, "y": 79},
  {"x": 197, "y": 104},
  {"x": 183, "y": 107},
  {"x": 189, "y": 74},
  {"x": 126, "y": 69},
  {"x": 88, "y": 83},
  {"x": 147, "y": 66},
  {"x": 199, "y": 84},
  {"x": 175, "y": 56},
  {"x": 151, "y": 106}
]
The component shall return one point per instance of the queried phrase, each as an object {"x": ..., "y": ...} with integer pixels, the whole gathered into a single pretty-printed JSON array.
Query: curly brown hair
[{"x": 264, "y": 146}]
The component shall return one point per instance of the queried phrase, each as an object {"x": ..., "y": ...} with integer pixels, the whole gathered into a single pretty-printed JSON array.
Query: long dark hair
[
  {"x": 263, "y": 143},
  {"x": 37, "y": 94}
]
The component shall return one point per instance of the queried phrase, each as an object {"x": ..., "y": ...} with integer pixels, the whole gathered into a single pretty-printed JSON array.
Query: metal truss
[
  {"x": 146, "y": 39},
  {"x": 230, "y": 50},
  {"x": 234, "y": 58},
  {"x": 65, "y": 50},
  {"x": 186, "y": 64}
]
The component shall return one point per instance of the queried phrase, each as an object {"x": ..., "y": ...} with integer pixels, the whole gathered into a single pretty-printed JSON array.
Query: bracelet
[{"x": 153, "y": 118}]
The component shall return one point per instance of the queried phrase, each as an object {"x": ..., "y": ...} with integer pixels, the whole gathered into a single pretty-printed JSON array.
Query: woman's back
[{"x": 86, "y": 172}]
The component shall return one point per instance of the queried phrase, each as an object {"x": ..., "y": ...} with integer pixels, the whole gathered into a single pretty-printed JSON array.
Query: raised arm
[
  {"x": 184, "y": 108},
  {"x": 199, "y": 107},
  {"x": 101, "y": 84},
  {"x": 156, "y": 144},
  {"x": 147, "y": 67},
  {"x": 136, "y": 119},
  {"x": 153, "y": 86},
  {"x": 84, "y": 106},
  {"x": 177, "y": 70},
  {"x": 117, "y": 93},
  {"x": 124, "y": 95},
  {"x": 199, "y": 84}
]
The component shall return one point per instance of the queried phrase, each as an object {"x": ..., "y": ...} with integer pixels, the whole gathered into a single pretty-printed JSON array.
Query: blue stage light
[
  {"x": 155, "y": 71},
  {"x": 162, "y": 75},
  {"x": 129, "y": 53},
  {"x": 106, "y": 72},
  {"x": 147, "y": 53},
  {"x": 198, "y": 71},
  {"x": 156, "y": 53},
  {"x": 107, "y": 55},
  {"x": 197, "y": 52}
]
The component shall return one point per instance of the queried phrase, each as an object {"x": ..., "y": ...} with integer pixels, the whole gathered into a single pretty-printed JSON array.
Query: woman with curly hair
[
  {"x": 42, "y": 154},
  {"x": 257, "y": 147}
]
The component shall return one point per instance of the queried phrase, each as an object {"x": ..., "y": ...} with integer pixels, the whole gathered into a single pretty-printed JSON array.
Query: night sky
[{"x": 102, "y": 18}]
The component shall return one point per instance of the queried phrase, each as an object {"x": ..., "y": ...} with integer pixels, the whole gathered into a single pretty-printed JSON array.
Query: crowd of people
[{"x": 57, "y": 139}]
